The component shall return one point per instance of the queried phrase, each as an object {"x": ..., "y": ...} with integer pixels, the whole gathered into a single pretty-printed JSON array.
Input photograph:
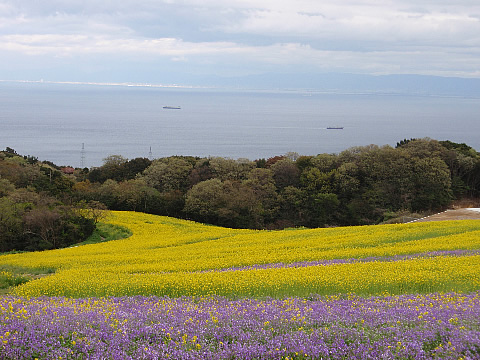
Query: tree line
[{"x": 361, "y": 185}]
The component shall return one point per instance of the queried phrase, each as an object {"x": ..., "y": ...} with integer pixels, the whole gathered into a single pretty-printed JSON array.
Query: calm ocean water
[{"x": 52, "y": 121}]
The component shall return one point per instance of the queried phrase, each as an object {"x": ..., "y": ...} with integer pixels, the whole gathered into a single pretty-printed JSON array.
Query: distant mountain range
[
  {"x": 329, "y": 82},
  {"x": 355, "y": 83}
]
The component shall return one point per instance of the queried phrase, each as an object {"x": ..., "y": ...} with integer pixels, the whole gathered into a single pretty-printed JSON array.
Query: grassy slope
[{"x": 106, "y": 232}]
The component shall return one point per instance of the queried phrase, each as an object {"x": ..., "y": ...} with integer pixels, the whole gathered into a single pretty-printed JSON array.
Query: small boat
[
  {"x": 335, "y": 128},
  {"x": 172, "y": 107}
]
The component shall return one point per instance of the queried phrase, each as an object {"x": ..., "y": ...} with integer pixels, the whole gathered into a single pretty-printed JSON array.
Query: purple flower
[{"x": 343, "y": 327}]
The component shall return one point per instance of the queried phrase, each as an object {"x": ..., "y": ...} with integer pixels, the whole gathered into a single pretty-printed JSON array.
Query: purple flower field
[{"x": 444, "y": 326}]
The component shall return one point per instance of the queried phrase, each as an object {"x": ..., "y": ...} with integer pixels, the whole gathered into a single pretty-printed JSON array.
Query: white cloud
[
  {"x": 424, "y": 36},
  {"x": 427, "y": 61},
  {"x": 367, "y": 24},
  {"x": 71, "y": 45}
]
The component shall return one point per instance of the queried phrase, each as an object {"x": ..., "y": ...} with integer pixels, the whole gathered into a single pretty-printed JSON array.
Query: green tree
[
  {"x": 387, "y": 174},
  {"x": 133, "y": 167},
  {"x": 6, "y": 187},
  {"x": 11, "y": 227},
  {"x": 229, "y": 169},
  {"x": 261, "y": 182},
  {"x": 347, "y": 180},
  {"x": 113, "y": 168},
  {"x": 135, "y": 195},
  {"x": 92, "y": 210},
  {"x": 42, "y": 226},
  {"x": 424, "y": 148},
  {"x": 322, "y": 209},
  {"x": 313, "y": 180},
  {"x": 463, "y": 162},
  {"x": 201, "y": 172},
  {"x": 228, "y": 203},
  {"x": 85, "y": 190},
  {"x": 242, "y": 209},
  {"x": 54, "y": 183},
  {"x": 432, "y": 184},
  {"x": 285, "y": 173},
  {"x": 168, "y": 174},
  {"x": 324, "y": 162},
  {"x": 107, "y": 194},
  {"x": 53, "y": 228},
  {"x": 204, "y": 199},
  {"x": 292, "y": 211}
]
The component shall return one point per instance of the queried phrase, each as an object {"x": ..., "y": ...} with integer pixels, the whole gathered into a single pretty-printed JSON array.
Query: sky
[{"x": 184, "y": 41}]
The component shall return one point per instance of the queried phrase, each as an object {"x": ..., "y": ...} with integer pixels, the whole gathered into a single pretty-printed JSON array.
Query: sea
[{"x": 79, "y": 125}]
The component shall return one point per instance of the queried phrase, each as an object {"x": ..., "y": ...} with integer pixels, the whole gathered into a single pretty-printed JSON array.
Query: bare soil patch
[{"x": 453, "y": 214}]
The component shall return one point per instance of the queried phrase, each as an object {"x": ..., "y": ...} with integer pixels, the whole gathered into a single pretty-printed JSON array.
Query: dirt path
[{"x": 454, "y": 214}]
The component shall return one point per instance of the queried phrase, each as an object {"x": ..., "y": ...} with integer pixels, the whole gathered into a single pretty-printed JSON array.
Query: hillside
[
  {"x": 178, "y": 289},
  {"x": 166, "y": 256}
]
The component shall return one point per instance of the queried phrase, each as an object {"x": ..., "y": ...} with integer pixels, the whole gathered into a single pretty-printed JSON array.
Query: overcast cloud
[{"x": 148, "y": 40}]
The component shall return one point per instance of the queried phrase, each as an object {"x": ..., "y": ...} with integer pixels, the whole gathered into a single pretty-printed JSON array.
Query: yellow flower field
[{"x": 166, "y": 256}]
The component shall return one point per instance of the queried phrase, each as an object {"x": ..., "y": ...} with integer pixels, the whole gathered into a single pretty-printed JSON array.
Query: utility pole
[{"x": 82, "y": 158}]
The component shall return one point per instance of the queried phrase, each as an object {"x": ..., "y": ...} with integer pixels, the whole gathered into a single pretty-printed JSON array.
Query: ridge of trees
[{"x": 361, "y": 185}]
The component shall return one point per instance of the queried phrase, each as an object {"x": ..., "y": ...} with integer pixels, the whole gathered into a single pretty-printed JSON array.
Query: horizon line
[
  {"x": 231, "y": 88},
  {"x": 127, "y": 84}
]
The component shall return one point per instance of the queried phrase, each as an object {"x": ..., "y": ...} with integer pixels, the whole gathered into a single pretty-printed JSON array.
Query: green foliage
[
  {"x": 404, "y": 142},
  {"x": 10, "y": 224},
  {"x": 8, "y": 280},
  {"x": 361, "y": 185},
  {"x": 462, "y": 148},
  {"x": 106, "y": 232},
  {"x": 118, "y": 168},
  {"x": 286, "y": 173},
  {"x": 168, "y": 174},
  {"x": 14, "y": 275}
]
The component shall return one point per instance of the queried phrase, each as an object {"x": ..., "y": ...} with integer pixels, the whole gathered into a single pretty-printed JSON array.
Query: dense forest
[{"x": 45, "y": 206}]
